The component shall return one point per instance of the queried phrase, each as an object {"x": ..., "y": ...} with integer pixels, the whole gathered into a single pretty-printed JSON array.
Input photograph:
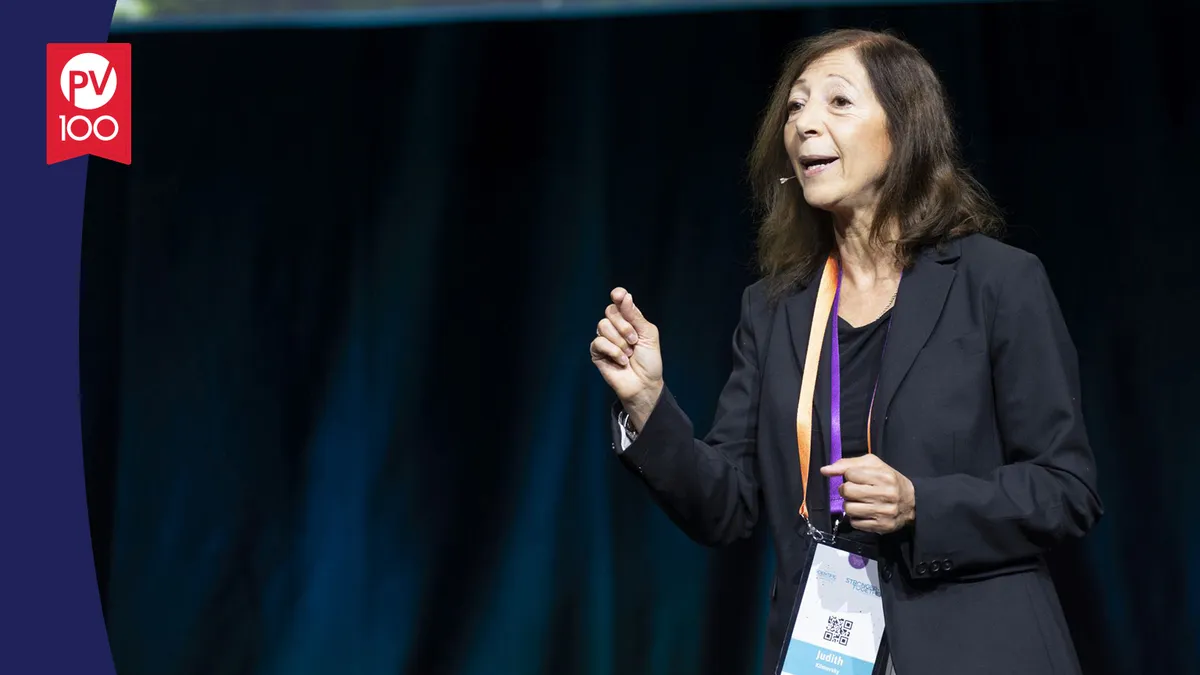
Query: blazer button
[
  {"x": 886, "y": 572},
  {"x": 935, "y": 567},
  {"x": 922, "y": 568},
  {"x": 946, "y": 565}
]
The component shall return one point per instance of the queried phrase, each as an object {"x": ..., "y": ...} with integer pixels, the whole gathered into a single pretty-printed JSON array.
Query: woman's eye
[
  {"x": 795, "y": 106},
  {"x": 841, "y": 101}
]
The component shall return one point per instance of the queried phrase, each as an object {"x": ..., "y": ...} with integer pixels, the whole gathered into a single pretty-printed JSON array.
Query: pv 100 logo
[{"x": 88, "y": 101}]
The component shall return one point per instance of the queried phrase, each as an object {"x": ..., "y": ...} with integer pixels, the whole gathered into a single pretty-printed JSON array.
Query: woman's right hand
[{"x": 626, "y": 352}]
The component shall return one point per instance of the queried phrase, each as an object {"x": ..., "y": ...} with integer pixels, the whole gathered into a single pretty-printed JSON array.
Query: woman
[{"x": 974, "y": 459}]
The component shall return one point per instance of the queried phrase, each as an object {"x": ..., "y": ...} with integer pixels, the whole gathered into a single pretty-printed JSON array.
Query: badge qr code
[{"x": 838, "y": 631}]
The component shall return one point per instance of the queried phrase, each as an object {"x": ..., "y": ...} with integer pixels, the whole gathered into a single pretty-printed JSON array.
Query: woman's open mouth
[{"x": 813, "y": 164}]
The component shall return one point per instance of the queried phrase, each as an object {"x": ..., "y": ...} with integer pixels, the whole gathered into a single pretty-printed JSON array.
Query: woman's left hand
[{"x": 878, "y": 498}]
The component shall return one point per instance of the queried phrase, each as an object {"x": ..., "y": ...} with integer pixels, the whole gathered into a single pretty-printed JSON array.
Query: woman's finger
[
  {"x": 624, "y": 328},
  {"x": 864, "y": 493},
  {"x": 602, "y": 347},
  {"x": 632, "y": 313},
  {"x": 859, "y": 511},
  {"x": 606, "y": 329},
  {"x": 871, "y": 474}
]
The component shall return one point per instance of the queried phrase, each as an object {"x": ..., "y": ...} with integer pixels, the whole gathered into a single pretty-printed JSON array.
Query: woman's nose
[{"x": 807, "y": 122}]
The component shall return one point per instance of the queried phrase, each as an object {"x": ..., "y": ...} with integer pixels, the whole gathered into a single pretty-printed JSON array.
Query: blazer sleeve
[
  {"x": 709, "y": 487},
  {"x": 1046, "y": 492}
]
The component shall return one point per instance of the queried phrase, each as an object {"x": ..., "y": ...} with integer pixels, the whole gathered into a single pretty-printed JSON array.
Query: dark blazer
[{"x": 978, "y": 405}]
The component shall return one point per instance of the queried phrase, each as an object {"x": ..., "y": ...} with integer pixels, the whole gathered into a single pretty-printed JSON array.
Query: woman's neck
[{"x": 864, "y": 263}]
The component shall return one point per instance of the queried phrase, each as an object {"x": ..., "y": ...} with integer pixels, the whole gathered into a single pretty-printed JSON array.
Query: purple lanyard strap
[{"x": 836, "y": 501}]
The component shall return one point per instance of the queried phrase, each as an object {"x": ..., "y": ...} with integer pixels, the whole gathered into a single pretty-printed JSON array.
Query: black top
[{"x": 861, "y": 349}]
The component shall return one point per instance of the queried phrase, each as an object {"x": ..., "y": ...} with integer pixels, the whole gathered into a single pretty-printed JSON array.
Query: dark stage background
[{"x": 338, "y": 409}]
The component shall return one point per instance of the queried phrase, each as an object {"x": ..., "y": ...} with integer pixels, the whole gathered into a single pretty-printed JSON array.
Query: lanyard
[{"x": 828, "y": 296}]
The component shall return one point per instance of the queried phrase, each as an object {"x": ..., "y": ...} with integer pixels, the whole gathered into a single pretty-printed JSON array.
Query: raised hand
[{"x": 626, "y": 352}]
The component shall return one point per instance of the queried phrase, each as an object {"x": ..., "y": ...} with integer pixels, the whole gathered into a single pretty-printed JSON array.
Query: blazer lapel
[
  {"x": 799, "y": 308},
  {"x": 919, "y": 304}
]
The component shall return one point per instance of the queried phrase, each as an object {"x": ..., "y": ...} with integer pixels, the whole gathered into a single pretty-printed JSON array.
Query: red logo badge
[{"x": 87, "y": 102}]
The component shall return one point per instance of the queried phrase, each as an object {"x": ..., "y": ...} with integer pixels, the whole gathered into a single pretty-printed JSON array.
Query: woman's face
[{"x": 836, "y": 134}]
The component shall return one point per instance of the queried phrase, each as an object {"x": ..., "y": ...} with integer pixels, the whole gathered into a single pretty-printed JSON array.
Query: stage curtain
[{"x": 337, "y": 403}]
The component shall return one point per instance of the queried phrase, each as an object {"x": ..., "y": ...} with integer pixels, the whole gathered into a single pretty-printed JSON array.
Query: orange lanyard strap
[{"x": 808, "y": 380}]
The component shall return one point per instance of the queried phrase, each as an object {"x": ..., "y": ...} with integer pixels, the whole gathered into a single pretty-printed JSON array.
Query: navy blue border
[{"x": 50, "y": 617}]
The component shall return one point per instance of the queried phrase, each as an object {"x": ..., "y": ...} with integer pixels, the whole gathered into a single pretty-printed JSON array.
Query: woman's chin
[
  {"x": 821, "y": 202},
  {"x": 839, "y": 203}
]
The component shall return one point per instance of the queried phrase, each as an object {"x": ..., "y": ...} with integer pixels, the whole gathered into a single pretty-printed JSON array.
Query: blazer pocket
[
  {"x": 967, "y": 344},
  {"x": 953, "y": 357}
]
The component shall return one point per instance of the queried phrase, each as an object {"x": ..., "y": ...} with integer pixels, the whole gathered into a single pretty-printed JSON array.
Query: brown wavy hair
[{"x": 925, "y": 187}]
